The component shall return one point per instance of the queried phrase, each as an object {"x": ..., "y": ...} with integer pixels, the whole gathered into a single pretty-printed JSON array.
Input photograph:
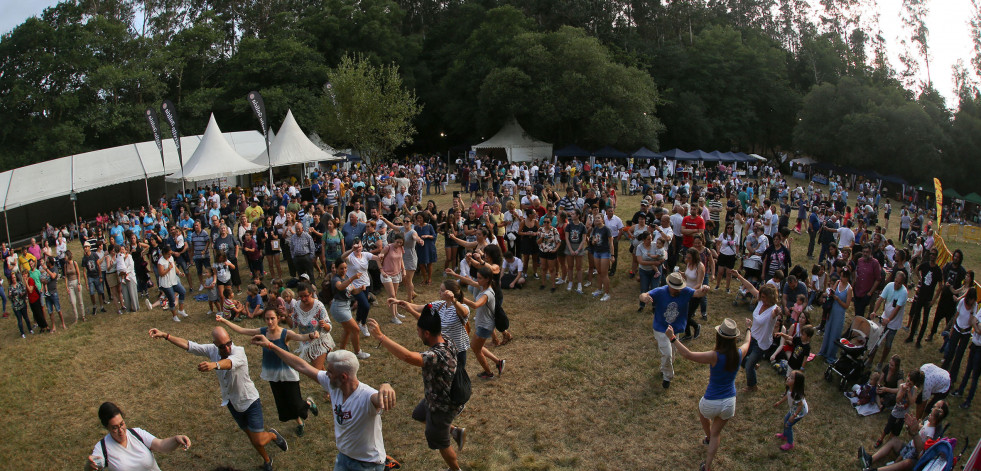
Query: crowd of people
[{"x": 353, "y": 239}]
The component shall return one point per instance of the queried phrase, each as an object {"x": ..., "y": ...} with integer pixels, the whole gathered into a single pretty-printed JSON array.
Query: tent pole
[
  {"x": 7, "y": 225},
  {"x": 75, "y": 210},
  {"x": 147, "y": 184}
]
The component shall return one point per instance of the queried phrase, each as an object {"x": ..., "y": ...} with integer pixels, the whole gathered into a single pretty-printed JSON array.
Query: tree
[{"x": 367, "y": 108}]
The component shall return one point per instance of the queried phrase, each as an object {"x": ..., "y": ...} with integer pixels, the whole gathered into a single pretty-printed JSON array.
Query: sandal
[
  {"x": 507, "y": 338},
  {"x": 878, "y": 443}
]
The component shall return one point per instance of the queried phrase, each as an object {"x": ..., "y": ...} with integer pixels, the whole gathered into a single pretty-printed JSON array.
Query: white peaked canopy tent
[
  {"x": 292, "y": 147},
  {"x": 519, "y": 146},
  {"x": 215, "y": 157}
]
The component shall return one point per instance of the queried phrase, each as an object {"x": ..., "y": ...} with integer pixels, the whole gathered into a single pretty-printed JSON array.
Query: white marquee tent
[
  {"x": 517, "y": 144},
  {"x": 292, "y": 147},
  {"x": 216, "y": 157}
]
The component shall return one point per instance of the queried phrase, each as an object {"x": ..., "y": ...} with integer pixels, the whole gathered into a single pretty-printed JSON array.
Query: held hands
[
  {"x": 219, "y": 319},
  {"x": 373, "y": 328},
  {"x": 323, "y": 325},
  {"x": 669, "y": 332},
  {"x": 261, "y": 341},
  {"x": 749, "y": 323},
  {"x": 157, "y": 334}
]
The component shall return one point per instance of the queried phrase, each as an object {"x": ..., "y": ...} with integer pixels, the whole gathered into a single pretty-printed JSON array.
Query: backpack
[
  {"x": 105, "y": 454},
  {"x": 460, "y": 388}
]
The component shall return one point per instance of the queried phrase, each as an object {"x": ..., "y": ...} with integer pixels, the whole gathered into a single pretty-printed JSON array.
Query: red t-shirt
[{"x": 691, "y": 222}]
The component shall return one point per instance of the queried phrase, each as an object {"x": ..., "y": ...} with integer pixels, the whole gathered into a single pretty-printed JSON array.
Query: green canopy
[
  {"x": 950, "y": 193},
  {"x": 973, "y": 198}
]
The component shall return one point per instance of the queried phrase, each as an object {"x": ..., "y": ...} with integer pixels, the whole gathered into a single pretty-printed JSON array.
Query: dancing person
[
  {"x": 238, "y": 393},
  {"x": 761, "y": 326},
  {"x": 283, "y": 380},
  {"x": 718, "y": 405},
  {"x": 670, "y": 307}
]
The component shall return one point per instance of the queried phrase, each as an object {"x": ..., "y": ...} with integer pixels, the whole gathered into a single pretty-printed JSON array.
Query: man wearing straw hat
[{"x": 670, "y": 309}]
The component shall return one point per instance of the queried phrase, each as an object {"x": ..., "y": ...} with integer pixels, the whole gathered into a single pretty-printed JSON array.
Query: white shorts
[
  {"x": 721, "y": 408},
  {"x": 392, "y": 279}
]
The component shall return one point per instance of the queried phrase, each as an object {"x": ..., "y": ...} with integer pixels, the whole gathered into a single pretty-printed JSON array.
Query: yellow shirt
[
  {"x": 253, "y": 213},
  {"x": 24, "y": 260}
]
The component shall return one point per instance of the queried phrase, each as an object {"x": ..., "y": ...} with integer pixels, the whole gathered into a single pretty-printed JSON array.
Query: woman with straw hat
[{"x": 718, "y": 405}]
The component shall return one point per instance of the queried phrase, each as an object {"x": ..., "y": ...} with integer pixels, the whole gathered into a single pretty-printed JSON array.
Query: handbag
[{"x": 460, "y": 389}]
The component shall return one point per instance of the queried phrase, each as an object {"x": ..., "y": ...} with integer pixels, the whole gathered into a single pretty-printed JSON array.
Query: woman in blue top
[
  {"x": 841, "y": 298},
  {"x": 425, "y": 252},
  {"x": 283, "y": 380},
  {"x": 718, "y": 405}
]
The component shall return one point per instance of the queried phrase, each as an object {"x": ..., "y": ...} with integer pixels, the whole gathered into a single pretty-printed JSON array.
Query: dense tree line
[{"x": 760, "y": 76}]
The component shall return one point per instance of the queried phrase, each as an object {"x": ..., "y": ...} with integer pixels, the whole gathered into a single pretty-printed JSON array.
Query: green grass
[{"x": 582, "y": 391}]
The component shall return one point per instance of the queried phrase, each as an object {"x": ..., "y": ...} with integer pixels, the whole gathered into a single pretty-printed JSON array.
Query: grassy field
[{"x": 581, "y": 391}]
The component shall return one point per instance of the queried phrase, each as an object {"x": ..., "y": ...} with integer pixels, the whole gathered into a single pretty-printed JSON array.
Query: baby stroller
[{"x": 858, "y": 348}]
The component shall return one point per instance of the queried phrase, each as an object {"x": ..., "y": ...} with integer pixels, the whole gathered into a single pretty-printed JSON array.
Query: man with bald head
[{"x": 238, "y": 393}]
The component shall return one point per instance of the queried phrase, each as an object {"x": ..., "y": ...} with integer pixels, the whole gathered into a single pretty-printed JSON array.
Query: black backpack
[{"x": 105, "y": 454}]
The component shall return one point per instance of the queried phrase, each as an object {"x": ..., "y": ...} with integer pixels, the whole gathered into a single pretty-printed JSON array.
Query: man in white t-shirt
[
  {"x": 893, "y": 297},
  {"x": 168, "y": 273},
  {"x": 238, "y": 392},
  {"x": 357, "y": 406},
  {"x": 615, "y": 224},
  {"x": 846, "y": 238}
]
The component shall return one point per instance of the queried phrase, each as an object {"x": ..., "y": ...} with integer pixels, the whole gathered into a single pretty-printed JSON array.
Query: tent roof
[
  {"x": 571, "y": 151},
  {"x": 970, "y": 197},
  {"x": 645, "y": 153},
  {"x": 803, "y": 161},
  {"x": 4, "y": 186},
  {"x": 699, "y": 154},
  {"x": 950, "y": 193},
  {"x": 757, "y": 156},
  {"x": 609, "y": 152},
  {"x": 215, "y": 156},
  {"x": 677, "y": 154},
  {"x": 38, "y": 182},
  {"x": 291, "y": 147},
  {"x": 743, "y": 157},
  {"x": 511, "y": 136}
]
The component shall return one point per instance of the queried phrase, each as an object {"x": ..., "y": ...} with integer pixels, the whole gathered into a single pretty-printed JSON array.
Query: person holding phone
[{"x": 892, "y": 301}]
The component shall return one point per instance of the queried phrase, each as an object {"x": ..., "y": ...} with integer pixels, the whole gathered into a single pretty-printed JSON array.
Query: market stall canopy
[
  {"x": 678, "y": 154},
  {"x": 291, "y": 147},
  {"x": 701, "y": 155},
  {"x": 215, "y": 157},
  {"x": 757, "y": 156},
  {"x": 645, "y": 153},
  {"x": 609, "y": 153},
  {"x": 519, "y": 146},
  {"x": 970, "y": 197},
  {"x": 744, "y": 157},
  {"x": 803, "y": 161},
  {"x": 950, "y": 193},
  {"x": 571, "y": 151}
]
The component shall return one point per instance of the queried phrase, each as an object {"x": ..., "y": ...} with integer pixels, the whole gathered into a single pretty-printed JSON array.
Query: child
[
  {"x": 257, "y": 281},
  {"x": 905, "y": 397},
  {"x": 868, "y": 392},
  {"x": 234, "y": 310},
  {"x": 798, "y": 308},
  {"x": 278, "y": 286},
  {"x": 222, "y": 274},
  {"x": 210, "y": 284},
  {"x": 794, "y": 397},
  {"x": 254, "y": 302},
  {"x": 800, "y": 349}
]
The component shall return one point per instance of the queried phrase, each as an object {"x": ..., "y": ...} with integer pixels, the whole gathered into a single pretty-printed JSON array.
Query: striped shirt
[
  {"x": 452, "y": 325},
  {"x": 199, "y": 242}
]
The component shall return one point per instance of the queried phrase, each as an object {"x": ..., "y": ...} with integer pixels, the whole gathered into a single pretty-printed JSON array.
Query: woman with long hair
[
  {"x": 718, "y": 404},
  {"x": 283, "y": 380},
  {"x": 601, "y": 240},
  {"x": 761, "y": 324},
  {"x": 272, "y": 247},
  {"x": 339, "y": 293},
  {"x": 841, "y": 296},
  {"x": 528, "y": 245},
  {"x": 357, "y": 266},
  {"x": 453, "y": 315},
  {"x": 694, "y": 272},
  {"x": 72, "y": 285},
  {"x": 450, "y": 225},
  {"x": 485, "y": 304},
  {"x": 728, "y": 247},
  {"x": 548, "y": 245},
  {"x": 392, "y": 268},
  {"x": 425, "y": 250}
]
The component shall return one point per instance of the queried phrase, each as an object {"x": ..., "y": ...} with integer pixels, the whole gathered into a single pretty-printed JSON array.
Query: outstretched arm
[
  {"x": 235, "y": 327},
  {"x": 177, "y": 341},
  {"x": 290, "y": 359},
  {"x": 708, "y": 358},
  {"x": 400, "y": 352},
  {"x": 167, "y": 445}
]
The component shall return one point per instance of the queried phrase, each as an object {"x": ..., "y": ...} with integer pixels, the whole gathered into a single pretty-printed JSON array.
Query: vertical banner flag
[
  {"x": 940, "y": 199},
  {"x": 154, "y": 120},
  {"x": 170, "y": 114},
  {"x": 259, "y": 108}
]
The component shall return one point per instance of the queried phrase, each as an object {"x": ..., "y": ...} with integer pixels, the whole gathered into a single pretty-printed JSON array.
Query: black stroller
[{"x": 858, "y": 348}]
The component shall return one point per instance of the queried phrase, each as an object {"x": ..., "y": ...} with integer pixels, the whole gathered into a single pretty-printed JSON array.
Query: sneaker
[
  {"x": 685, "y": 338},
  {"x": 200, "y": 287},
  {"x": 280, "y": 441},
  {"x": 586, "y": 284},
  {"x": 101, "y": 310},
  {"x": 176, "y": 319},
  {"x": 597, "y": 292},
  {"x": 666, "y": 383},
  {"x": 500, "y": 367},
  {"x": 965, "y": 405},
  {"x": 364, "y": 330},
  {"x": 485, "y": 375},
  {"x": 313, "y": 406},
  {"x": 148, "y": 305},
  {"x": 362, "y": 355},
  {"x": 787, "y": 446},
  {"x": 956, "y": 393},
  {"x": 299, "y": 430},
  {"x": 559, "y": 281},
  {"x": 569, "y": 288},
  {"x": 536, "y": 276},
  {"x": 267, "y": 466},
  {"x": 182, "y": 313},
  {"x": 698, "y": 331},
  {"x": 396, "y": 321},
  {"x": 606, "y": 297},
  {"x": 580, "y": 291},
  {"x": 400, "y": 315},
  {"x": 705, "y": 317},
  {"x": 93, "y": 312},
  {"x": 459, "y": 435},
  {"x": 864, "y": 457},
  {"x": 23, "y": 336}
]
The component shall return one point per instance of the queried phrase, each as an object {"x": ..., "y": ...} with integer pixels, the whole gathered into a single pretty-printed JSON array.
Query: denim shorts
[
  {"x": 601, "y": 255},
  {"x": 52, "y": 302},
  {"x": 95, "y": 285},
  {"x": 484, "y": 333},
  {"x": 250, "y": 419},
  {"x": 340, "y": 311},
  {"x": 346, "y": 463}
]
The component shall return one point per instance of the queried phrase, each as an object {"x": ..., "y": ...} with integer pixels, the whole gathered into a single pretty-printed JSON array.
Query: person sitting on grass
[
  {"x": 254, "y": 305},
  {"x": 234, "y": 310},
  {"x": 906, "y": 453},
  {"x": 798, "y": 349},
  {"x": 905, "y": 398}
]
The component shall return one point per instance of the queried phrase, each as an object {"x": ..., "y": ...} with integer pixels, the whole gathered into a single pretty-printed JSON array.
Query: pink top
[{"x": 392, "y": 264}]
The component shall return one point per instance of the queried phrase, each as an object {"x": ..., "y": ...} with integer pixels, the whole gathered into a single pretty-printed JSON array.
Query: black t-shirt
[
  {"x": 953, "y": 276},
  {"x": 930, "y": 277},
  {"x": 91, "y": 264},
  {"x": 798, "y": 353}
]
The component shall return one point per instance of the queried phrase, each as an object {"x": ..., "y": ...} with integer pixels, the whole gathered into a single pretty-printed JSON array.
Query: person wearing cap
[
  {"x": 436, "y": 409},
  {"x": 670, "y": 309},
  {"x": 718, "y": 404}
]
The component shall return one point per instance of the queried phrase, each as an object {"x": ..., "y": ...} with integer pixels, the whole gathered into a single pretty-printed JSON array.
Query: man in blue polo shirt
[{"x": 670, "y": 308}]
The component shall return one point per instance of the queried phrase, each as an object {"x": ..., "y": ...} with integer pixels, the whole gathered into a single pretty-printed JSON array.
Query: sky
[{"x": 949, "y": 39}]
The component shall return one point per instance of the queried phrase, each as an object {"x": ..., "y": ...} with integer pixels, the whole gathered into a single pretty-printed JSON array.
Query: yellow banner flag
[{"x": 940, "y": 199}]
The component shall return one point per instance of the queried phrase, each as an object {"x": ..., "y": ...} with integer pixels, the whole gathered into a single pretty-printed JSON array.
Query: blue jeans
[
  {"x": 3, "y": 294},
  {"x": 752, "y": 358},
  {"x": 972, "y": 371},
  {"x": 648, "y": 281},
  {"x": 346, "y": 463},
  {"x": 169, "y": 292},
  {"x": 363, "y": 307},
  {"x": 788, "y": 427},
  {"x": 22, "y": 314}
]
